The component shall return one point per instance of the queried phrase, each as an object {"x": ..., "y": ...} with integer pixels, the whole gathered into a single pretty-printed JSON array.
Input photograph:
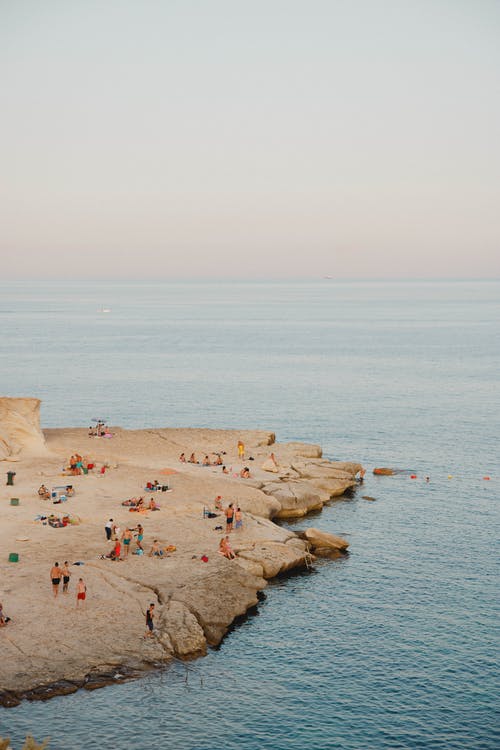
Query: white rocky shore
[{"x": 50, "y": 648}]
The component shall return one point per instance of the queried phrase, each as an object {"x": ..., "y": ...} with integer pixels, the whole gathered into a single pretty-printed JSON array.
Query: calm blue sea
[{"x": 394, "y": 646}]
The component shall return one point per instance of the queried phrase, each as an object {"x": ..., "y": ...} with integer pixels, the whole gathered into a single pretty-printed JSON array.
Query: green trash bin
[
  {"x": 14, "y": 557},
  {"x": 14, "y": 501}
]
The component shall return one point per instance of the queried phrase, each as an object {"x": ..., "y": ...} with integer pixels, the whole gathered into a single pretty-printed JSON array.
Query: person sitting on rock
[
  {"x": 225, "y": 548},
  {"x": 155, "y": 550},
  {"x": 206, "y": 461},
  {"x": 3, "y": 618},
  {"x": 44, "y": 492},
  {"x": 182, "y": 458},
  {"x": 245, "y": 473},
  {"x": 218, "y": 503},
  {"x": 192, "y": 459},
  {"x": 153, "y": 505}
]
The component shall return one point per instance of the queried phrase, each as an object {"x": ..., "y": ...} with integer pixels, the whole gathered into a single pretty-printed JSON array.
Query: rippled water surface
[{"x": 394, "y": 646}]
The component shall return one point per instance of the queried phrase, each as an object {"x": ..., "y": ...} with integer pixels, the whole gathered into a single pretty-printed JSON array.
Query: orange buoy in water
[
  {"x": 383, "y": 472},
  {"x": 487, "y": 478},
  {"x": 413, "y": 476}
]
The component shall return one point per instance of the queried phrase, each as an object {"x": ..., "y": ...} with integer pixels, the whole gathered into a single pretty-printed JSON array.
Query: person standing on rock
[
  {"x": 238, "y": 518},
  {"x": 150, "y": 621},
  {"x": 140, "y": 537},
  {"x": 126, "y": 538},
  {"x": 229, "y": 513},
  {"x": 108, "y": 528},
  {"x": 81, "y": 592},
  {"x": 241, "y": 450},
  {"x": 66, "y": 574}
]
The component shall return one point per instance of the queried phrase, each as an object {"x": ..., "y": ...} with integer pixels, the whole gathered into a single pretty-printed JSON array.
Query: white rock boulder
[{"x": 20, "y": 433}]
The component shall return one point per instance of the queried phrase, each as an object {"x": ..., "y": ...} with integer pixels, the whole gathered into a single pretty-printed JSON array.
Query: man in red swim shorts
[{"x": 81, "y": 592}]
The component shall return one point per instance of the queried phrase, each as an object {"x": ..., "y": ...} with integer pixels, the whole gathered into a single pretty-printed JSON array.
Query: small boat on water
[{"x": 105, "y": 309}]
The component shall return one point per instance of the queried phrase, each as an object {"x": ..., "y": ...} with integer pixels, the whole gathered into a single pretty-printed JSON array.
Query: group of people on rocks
[
  {"x": 100, "y": 430},
  {"x": 123, "y": 540},
  {"x": 57, "y": 573},
  {"x": 206, "y": 461},
  {"x": 139, "y": 504},
  {"x": 81, "y": 465},
  {"x": 233, "y": 515},
  {"x": 45, "y": 493}
]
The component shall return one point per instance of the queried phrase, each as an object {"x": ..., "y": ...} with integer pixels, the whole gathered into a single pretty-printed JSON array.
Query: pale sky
[{"x": 272, "y": 138}]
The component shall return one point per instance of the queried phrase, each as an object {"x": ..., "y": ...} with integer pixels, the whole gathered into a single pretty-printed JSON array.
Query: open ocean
[{"x": 394, "y": 646}]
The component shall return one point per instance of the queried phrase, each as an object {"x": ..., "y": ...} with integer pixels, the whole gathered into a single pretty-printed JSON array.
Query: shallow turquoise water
[{"x": 392, "y": 647}]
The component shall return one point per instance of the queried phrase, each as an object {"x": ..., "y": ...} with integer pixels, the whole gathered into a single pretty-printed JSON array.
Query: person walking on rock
[
  {"x": 108, "y": 528},
  {"x": 229, "y": 513},
  {"x": 81, "y": 592},
  {"x": 66, "y": 574},
  {"x": 150, "y": 621},
  {"x": 55, "y": 577}
]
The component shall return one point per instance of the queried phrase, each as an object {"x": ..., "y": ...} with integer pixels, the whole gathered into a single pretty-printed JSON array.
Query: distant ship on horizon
[{"x": 328, "y": 276}]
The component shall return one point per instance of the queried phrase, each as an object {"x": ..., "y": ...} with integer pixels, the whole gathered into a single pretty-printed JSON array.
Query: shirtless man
[
  {"x": 149, "y": 621},
  {"x": 229, "y": 513},
  {"x": 55, "y": 577},
  {"x": 44, "y": 493},
  {"x": 155, "y": 550},
  {"x": 126, "y": 539},
  {"x": 140, "y": 536},
  {"x": 81, "y": 592},
  {"x": 66, "y": 574}
]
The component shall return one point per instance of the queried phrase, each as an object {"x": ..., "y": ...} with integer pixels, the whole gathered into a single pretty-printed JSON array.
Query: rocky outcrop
[
  {"x": 323, "y": 543},
  {"x": 276, "y": 557},
  {"x": 307, "y": 450},
  {"x": 296, "y": 498},
  {"x": 20, "y": 433},
  {"x": 330, "y": 478}
]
